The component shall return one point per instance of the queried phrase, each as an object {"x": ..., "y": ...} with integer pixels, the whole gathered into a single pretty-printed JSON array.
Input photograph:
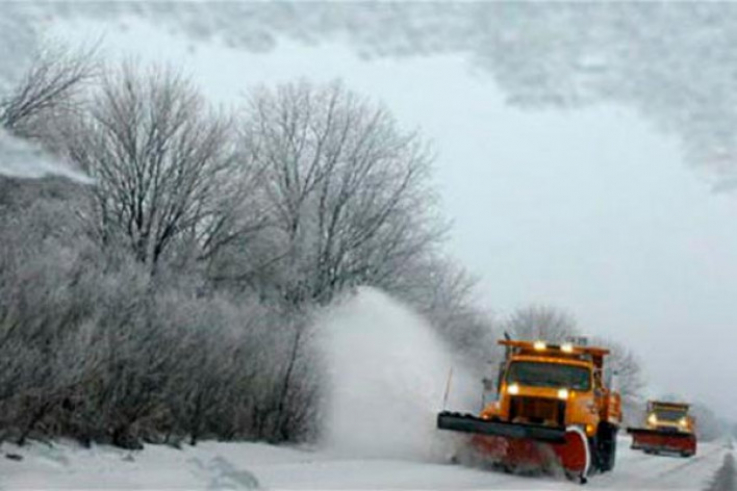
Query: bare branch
[
  {"x": 346, "y": 188},
  {"x": 52, "y": 85}
]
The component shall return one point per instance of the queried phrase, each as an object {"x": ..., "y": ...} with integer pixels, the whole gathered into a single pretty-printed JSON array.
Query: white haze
[
  {"x": 19, "y": 158},
  {"x": 388, "y": 372}
]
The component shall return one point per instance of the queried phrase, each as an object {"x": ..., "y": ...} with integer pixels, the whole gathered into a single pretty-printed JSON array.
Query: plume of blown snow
[
  {"x": 388, "y": 373},
  {"x": 20, "y": 158}
]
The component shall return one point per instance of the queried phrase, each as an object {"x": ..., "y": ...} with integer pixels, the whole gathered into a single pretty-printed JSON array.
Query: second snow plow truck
[
  {"x": 668, "y": 428},
  {"x": 554, "y": 411}
]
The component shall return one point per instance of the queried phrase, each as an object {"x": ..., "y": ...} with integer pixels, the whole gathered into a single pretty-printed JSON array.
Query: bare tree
[
  {"x": 347, "y": 201},
  {"x": 51, "y": 85},
  {"x": 628, "y": 368},
  {"x": 541, "y": 322},
  {"x": 346, "y": 189},
  {"x": 439, "y": 287},
  {"x": 163, "y": 164}
]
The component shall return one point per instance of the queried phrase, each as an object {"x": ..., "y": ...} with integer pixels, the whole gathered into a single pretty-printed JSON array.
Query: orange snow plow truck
[
  {"x": 668, "y": 428},
  {"x": 554, "y": 412}
]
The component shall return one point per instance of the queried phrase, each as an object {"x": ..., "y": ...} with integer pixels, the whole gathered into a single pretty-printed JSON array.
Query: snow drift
[{"x": 388, "y": 372}]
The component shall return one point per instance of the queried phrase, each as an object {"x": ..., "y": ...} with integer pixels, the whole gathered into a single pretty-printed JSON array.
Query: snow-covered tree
[
  {"x": 346, "y": 190},
  {"x": 166, "y": 176}
]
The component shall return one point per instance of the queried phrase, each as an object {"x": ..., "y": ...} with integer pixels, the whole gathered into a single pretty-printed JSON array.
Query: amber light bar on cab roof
[{"x": 568, "y": 348}]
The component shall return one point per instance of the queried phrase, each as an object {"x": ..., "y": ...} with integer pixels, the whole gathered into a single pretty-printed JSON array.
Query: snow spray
[
  {"x": 388, "y": 373},
  {"x": 19, "y": 158}
]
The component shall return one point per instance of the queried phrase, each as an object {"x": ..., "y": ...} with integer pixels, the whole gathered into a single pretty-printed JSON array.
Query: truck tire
[{"x": 606, "y": 446}]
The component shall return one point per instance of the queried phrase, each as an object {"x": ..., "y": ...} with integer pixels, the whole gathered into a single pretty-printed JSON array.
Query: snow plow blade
[
  {"x": 663, "y": 441},
  {"x": 471, "y": 424},
  {"x": 524, "y": 447}
]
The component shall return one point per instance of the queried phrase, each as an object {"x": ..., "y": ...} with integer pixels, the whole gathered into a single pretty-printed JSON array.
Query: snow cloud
[{"x": 387, "y": 378}]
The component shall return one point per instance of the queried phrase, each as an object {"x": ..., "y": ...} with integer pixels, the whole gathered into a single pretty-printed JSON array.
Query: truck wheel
[{"x": 606, "y": 446}]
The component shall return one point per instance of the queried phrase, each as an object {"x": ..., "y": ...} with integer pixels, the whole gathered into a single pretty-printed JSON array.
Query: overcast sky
[{"x": 593, "y": 209}]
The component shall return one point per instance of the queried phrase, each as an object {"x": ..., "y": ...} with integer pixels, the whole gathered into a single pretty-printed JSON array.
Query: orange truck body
[
  {"x": 668, "y": 428},
  {"x": 551, "y": 400},
  {"x": 586, "y": 407}
]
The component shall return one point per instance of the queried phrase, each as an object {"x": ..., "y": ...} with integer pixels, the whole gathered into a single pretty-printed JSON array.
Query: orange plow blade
[
  {"x": 525, "y": 447},
  {"x": 663, "y": 441}
]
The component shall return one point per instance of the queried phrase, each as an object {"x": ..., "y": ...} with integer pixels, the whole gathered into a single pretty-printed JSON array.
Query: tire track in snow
[
  {"x": 725, "y": 478},
  {"x": 692, "y": 461},
  {"x": 659, "y": 472}
]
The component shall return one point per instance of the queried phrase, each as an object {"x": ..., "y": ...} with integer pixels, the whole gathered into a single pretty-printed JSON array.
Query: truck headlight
[
  {"x": 566, "y": 348},
  {"x": 513, "y": 389},
  {"x": 683, "y": 423},
  {"x": 652, "y": 419},
  {"x": 563, "y": 394},
  {"x": 539, "y": 346}
]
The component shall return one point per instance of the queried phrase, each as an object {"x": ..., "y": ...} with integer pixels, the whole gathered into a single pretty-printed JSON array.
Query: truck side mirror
[{"x": 500, "y": 375}]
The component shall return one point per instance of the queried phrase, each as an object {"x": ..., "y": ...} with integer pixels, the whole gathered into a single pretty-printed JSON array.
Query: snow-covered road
[{"x": 213, "y": 465}]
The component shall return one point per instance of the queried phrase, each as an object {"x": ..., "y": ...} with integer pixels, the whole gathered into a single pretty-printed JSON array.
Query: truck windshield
[
  {"x": 540, "y": 374},
  {"x": 669, "y": 414}
]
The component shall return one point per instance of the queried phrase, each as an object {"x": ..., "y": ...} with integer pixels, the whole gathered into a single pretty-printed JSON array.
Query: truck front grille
[
  {"x": 668, "y": 429},
  {"x": 537, "y": 410}
]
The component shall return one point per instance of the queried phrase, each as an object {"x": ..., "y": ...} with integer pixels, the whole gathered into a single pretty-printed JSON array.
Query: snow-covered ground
[{"x": 213, "y": 465}]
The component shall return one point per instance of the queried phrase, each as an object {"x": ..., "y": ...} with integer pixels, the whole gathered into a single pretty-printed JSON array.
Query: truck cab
[
  {"x": 669, "y": 416},
  {"x": 554, "y": 385}
]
